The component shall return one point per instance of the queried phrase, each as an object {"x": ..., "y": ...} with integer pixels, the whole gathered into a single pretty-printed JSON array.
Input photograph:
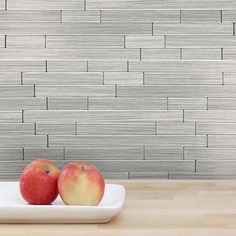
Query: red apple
[
  {"x": 38, "y": 182},
  {"x": 81, "y": 184}
]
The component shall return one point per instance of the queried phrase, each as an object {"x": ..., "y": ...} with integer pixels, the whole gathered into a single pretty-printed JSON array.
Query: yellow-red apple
[
  {"x": 81, "y": 184},
  {"x": 38, "y": 182}
]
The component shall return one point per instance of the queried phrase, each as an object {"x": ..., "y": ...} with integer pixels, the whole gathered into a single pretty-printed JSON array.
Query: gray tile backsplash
[{"x": 141, "y": 88}]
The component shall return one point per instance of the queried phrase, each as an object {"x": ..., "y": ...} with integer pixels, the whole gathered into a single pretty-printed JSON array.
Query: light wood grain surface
[{"x": 156, "y": 207}]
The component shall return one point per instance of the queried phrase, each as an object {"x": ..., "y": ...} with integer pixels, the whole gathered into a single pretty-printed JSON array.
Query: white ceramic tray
[{"x": 13, "y": 208}]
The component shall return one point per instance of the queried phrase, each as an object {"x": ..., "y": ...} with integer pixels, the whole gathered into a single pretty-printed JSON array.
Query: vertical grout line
[
  {"x": 195, "y": 127},
  {"x": 45, "y": 41},
  {"x": 5, "y": 4},
  {"x": 84, "y": 5},
  {"x": 143, "y": 78},
  {"x": 64, "y": 153},
  {"x": 21, "y": 78},
  {"x": 167, "y": 101},
  {"x": 207, "y": 140},
  {"x": 152, "y": 30},
  {"x": 195, "y": 163},
  {"x": 87, "y": 66},
  {"x": 100, "y": 16},
  {"x": 144, "y": 153},
  {"x": 35, "y": 128},
  {"x": 47, "y": 141},
  {"x": 22, "y": 116},
  {"x": 207, "y": 102},
  {"x": 164, "y": 41},
  {"x": 127, "y": 66},
  {"x": 183, "y": 153},
  {"x": 233, "y": 28},
  {"x": 46, "y": 65},
  {"x": 223, "y": 78},
  {"x": 183, "y": 115},
  {"x": 5, "y": 41},
  {"x": 34, "y": 90},
  {"x": 140, "y": 54},
  {"x": 116, "y": 90},
  {"x": 60, "y": 16},
  {"x": 180, "y": 16},
  {"x": 222, "y": 53},
  {"x": 128, "y": 174},
  {"x": 221, "y": 16},
  {"x": 168, "y": 175},
  {"x": 76, "y": 131},
  {"x": 46, "y": 103},
  {"x": 155, "y": 128},
  {"x": 23, "y": 153},
  {"x": 181, "y": 53},
  {"x": 124, "y": 41},
  {"x": 87, "y": 103}
]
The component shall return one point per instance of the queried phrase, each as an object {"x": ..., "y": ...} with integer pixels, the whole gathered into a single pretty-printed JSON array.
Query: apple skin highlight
[
  {"x": 81, "y": 184},
  {"x": 38, "y": 182}
]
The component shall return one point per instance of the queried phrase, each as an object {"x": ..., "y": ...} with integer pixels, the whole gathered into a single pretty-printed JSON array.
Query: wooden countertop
[{"x": 156, "y": 207}]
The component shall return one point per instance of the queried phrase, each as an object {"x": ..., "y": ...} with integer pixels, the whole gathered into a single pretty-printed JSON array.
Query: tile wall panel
[{"x": 139, "y": 88}]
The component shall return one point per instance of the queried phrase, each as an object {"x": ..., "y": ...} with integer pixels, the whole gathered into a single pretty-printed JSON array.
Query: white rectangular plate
[{"x": 13, "y": 208}]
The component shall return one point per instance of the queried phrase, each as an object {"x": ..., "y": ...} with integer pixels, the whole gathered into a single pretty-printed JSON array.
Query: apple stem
[{"x": 82, "y": 168}]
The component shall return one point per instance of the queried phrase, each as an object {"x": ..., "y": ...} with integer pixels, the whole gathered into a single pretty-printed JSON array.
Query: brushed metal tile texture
[
  {"x": 10, "y": 78},
  {"x": 167, "y": 153},
  {"x": 201, "y": 54},
  {"x": 116, "y": 129},
  {"x": 144, "y": 41},
  {"x": 229, "y": 15},
  {"x": 66, "y": 66},
  {"x": 200, "y": 15},
  {"x": 27, "y": 41},
  {"x": 101, "y": 66},
  {"x": 16, "y": 91},
  {"x": 85, "y": 41},
  {"x": 158, "y": 4},
  {"x": 22, "y": 65},
  {"x": 200, "y": 41},
  {"x": 103, "y": 154},
  {"x": 16, "y": 141},
  {"x": 30, "y": 15},
  {"x": 105, "y": 141},
  {"x": 176, "y": 91},
  {"x": 187, "y": 103},
  {"x": 43, "y": 153},
  {"x": 16, "y": 129},
  {"x": 2, "y": 4},
  {"x": 148, "y": 175},
  {"x": 2, "y": 41},
  {"x": 229, "y": 53},
  {"x": 57, "y": 129},
  {"x": 80, "y": 16},
  {"x": 176, "y": 128},
  {"x": 202, "y": 175},
  {"x": 160, "y": 54},
  {"x": 115, "y": 175},
  {"x": 180, "y": 66},
  {"x": 45, "y": 4},
  {"x": 216, "y": 166},
  {"x": 230, "y": 78},
  {"x": 212, "y": 116},
  {"x": 91, "y": 117},
  {"x": 10, "y": 116},
  {"x": 67, "y": 103},
  {"x": 62, "y": 78},
  {"x": 216, "y": 128},
  {"x": 70, "y": 91},
  {"x": 222, "y": 103},
  {"x": 76, "y": 54},
  {"x": 153, "y": 78},
  {"x": 11, "y": 154},
  {"x": 127, "y": 103},
  {"x": 196, "y": 28},
  {"x": 222, "y": 140},
  {"x": 141, "y": 16},
  {"x": 21, "y": 103},
  {"x": 210, "y": 153},
  {"x": 132, "y": 78},
  {"x": 81, "y": 28}
]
